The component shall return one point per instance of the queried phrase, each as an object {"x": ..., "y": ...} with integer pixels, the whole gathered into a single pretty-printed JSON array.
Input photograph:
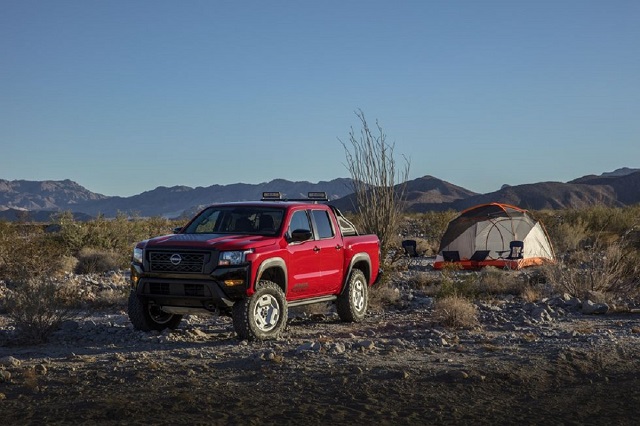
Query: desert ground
[{"x": 524, "y": 363}]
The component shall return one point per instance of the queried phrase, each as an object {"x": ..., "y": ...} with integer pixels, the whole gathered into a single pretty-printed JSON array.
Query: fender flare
[
  {"x": 355, "y": 259},
  {"x": 273, "y": 262}
]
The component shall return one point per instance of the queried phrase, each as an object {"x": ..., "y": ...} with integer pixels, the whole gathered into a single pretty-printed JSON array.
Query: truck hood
[{"x": 210, "y": 241}]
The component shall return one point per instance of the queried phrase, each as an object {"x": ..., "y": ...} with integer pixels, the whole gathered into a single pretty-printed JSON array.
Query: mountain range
[{"x": 38, "y": 200}]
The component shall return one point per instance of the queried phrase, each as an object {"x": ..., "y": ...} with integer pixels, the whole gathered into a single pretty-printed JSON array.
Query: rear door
[{"x": 329, "y": 251}]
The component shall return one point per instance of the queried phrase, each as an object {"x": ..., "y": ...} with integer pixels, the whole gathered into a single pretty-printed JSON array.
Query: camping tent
[{"x": 494, "y": 235}]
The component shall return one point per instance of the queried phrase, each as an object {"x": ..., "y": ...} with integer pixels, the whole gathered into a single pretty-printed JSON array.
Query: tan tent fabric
[{"x": 491, "y": 228}]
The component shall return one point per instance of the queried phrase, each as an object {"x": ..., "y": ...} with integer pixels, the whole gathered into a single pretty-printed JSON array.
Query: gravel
[{"x": 559, "y": 360}]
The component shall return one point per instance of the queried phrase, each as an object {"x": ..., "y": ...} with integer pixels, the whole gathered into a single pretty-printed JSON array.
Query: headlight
[
  {"x": 232, "y": 257},
  {"x": 137, "y": 255}
]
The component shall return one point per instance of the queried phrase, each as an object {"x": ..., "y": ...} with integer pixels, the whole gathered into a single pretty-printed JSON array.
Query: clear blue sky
[{"x": 124, "y": 96}]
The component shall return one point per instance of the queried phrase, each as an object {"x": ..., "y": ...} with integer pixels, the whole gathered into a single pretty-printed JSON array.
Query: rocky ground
[{"x": 525, "y": 363}]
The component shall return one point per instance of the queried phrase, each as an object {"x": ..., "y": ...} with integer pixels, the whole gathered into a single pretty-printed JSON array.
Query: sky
[{"x": 124, "y": 96}]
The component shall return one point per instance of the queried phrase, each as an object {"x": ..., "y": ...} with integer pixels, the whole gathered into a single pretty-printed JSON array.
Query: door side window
[
  {"x": 299, "y": 221},
  {"x": 323, "y": 223}
]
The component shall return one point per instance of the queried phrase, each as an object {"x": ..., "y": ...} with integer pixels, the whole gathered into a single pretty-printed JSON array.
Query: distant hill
[
  {"x": 162, "y": 201},
  {"x": 44, "y": 195},
  {"x": 42, "y": 199},
  {"x": 612, "y": 189},
  {"x": 422, "y": 194}
]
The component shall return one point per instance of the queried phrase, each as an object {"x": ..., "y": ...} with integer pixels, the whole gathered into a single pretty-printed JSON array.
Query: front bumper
[{"x": 219, "y": 290}]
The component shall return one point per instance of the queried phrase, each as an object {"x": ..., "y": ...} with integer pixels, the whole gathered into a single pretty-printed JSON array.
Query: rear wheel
[
  {"x": 263, "y": 316},
  {"x": 146, "y": 317},
  {"x": 352, "y": 303}
]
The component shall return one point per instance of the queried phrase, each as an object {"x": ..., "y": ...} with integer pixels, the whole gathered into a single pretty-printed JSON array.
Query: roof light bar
[
  {"x": 316, "y": 195},
  {"x": 271, "y": 196}
]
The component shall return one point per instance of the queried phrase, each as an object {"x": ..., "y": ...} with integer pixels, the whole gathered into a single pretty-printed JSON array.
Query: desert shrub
[
  {"x": 530, "y": 294},
  {"x": 378, "y": 181},
  {"x": 494, "y": 281},
  {"x": 422, "y": 281},
  {"x": 383, "y": 294},
  {"x": 566, "y": 235},
  {"x": 92, "y": 260},
  {"x": 67, "y": 264},
  {"x": 71, "y": 234},
  {"x": 453, "y": 282},
  {"x": 572, "y": 229},
  {"x": 455, "y": 312},
  {"x": 38, "y": 306},
  {"x": 31, "y": 256},
  {"x": 600, "y": 267}
]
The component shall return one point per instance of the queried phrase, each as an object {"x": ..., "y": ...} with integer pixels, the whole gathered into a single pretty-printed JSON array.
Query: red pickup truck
[{"x": 252, "y": 260}]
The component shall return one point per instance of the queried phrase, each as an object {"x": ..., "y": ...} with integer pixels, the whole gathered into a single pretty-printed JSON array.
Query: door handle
[
  {"x": 338, "y": 246},
  {"x": 316, "y": 249}
]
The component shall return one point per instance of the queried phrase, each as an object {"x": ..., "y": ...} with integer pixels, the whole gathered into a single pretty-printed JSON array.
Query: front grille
[
  {"x": 160, "y": 288},
  {"x": 181, "y": 262},
  {"x": 194, "y": 290}
]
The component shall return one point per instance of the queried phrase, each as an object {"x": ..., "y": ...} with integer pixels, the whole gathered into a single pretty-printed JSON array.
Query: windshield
[{"x": 237, "y": 220}]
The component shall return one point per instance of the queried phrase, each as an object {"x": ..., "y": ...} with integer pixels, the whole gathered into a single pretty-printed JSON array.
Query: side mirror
[
  {"x": 300, "y": 235},
  {"x": 177, "y": 230}
]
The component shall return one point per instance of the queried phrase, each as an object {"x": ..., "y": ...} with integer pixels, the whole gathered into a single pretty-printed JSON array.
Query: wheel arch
[
  {"x": 275, "y": 270},
  {"x": 360, "y": 261}
]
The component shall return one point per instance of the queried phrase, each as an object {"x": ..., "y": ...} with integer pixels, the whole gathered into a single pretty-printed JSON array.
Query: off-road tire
[
  {"x": 146, "y": 317},
  {"x": 263, "y": 316},
  {"x": 354, "y": 299}
]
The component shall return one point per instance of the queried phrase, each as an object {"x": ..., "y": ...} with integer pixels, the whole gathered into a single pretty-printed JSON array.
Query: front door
[{"x": 303, "y": 266}]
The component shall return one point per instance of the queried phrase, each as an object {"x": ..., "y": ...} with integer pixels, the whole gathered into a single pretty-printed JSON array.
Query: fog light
[{"x": 231, "y": 283}]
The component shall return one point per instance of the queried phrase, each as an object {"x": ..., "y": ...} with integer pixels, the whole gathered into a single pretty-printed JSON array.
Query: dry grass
[
  {"x": 383, "y": 294},
  {"x": 422, "y": 281},
  {"x": 92, "y": 261},
  {"x": 494, "y": 281},
  {"x": 37, "y": 307},
  {"x": 455, "y": 312},
  {"x": 530, "y": 294}
]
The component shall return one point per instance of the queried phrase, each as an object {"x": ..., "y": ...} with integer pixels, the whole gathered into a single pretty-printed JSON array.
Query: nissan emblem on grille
[{"x": 175, "y": 259}]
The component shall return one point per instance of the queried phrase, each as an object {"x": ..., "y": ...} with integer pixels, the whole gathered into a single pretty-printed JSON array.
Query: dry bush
[
  {"x": 31, "y": 255},
  {"x": 422, "y": 281},
  {"x": 37, "y": 307},
  {"x": 530, "y": 294},
  {"x": 111, "y": 298},
  {"x": 455, "y": 282},
  {"x": 379, "y": 187},
  {"x": 455, "y": 312},
  {"x": 383, "y": 294},
  {"x": 566, "y": 231},
  {"x": 91, "y": 261},
  {"x": 601, "y": 267},
  {"x": 494, "y": 281},
  {"x": 67, "y": 264}
]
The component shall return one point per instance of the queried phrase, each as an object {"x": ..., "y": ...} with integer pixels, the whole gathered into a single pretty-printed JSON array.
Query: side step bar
[{"x": 313, "y": 300}]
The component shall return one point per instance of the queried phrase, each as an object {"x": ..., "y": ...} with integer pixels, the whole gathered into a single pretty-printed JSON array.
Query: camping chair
[
  {"x": 516, "y": 250},
  {"x": 479, "y": 255},
  {"x": 410, "y": 249},
  {"x": 451, "y": 256}
]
